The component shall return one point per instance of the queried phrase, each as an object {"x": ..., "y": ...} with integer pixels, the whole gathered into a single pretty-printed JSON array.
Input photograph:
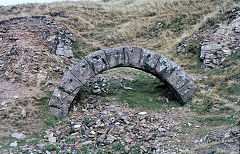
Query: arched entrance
[{"x": 148, "y": 61}]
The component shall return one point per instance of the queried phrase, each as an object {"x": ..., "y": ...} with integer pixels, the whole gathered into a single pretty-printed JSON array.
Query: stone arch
[{"x": 164, "y": 69}]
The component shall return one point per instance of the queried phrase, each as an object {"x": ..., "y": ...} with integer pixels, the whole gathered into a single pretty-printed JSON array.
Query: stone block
[
  {"x": 132, "y": 56},
  {"x": 149, "y": 60},
  {"x": 70, "y": 83},
  {"x": 187, "y": 91},
  {"x": 212, "y": 47},
  {"x": 82, "y": 71},
  {"x": 59, "y": 98},
  {"x": 115, "y": 57},
  {"x": 165, "y": 67},
  {"x": 98, "y": 61},
  {"x": 178, "y": 78}
]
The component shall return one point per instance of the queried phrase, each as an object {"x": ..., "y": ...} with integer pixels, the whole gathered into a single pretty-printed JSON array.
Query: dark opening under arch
[{"x": 148, "y": 61}]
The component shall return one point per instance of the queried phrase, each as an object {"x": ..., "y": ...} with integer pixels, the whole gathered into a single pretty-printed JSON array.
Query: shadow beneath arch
[{"x": 131, "y": 87}]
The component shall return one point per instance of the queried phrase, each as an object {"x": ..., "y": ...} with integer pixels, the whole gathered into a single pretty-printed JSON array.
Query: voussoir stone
[
  {"x": 165, "y": 67},
  {"x": 70, "y": 83},
  {"x": 57, "y": 112},
  {"x": 132, "y": 56},
  {"x": 178, "y": 78},
  {"x": 82, "y": 71},
  {"x": 149, "y": 60},
  {"x": 115, "y": 57},
  {"x": 59, "y": 98},
  {"x": 97, "y": 61},
  {"x": 187, "y": 91}
]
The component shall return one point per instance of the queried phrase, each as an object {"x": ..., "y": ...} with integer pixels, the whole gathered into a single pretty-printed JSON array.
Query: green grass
[
  {"x": 147, "y": 92},
  {"x": 86, "y": 149},
  {"x": 45, "y": 114},
  {"x": 215, "y": 121},
  {"x": 112, "y": 148}
]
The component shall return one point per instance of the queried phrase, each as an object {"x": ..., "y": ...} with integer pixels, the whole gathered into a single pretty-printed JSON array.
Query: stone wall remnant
[
  {"x": 31, "y": 32},
  {"x": 221, "y": 43}
]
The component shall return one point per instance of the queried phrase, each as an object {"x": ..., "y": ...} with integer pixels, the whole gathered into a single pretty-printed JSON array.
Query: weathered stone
[
  {"x": 178, "y": 78},
  {"x": 165, "y": 67},
  {"x": 70, "y": 83},
  {"x": 187, "y": 91},
  {"x": 64, "y": 51},
  {"x": 97, "y": 61},
  {"x": 13, "y": 144},
  {"x": 82, "y": 71},
  {"x": 59, "y": 98},
  {"x": 149, "y": 60},
  {"x": 221, "y": 42},
  {"x": 115, "y": 57},
  {"x": 132, "y": 56},
  {"x": 18, "y": 135},
  {"x": 52, "y": 140},
  {"x": 211, "y": 47}
]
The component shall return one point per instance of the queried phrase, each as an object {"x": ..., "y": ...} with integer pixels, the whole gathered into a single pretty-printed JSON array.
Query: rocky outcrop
[
  {"x": 222, "y": 43},
  {"x": 166, "y": 70}
]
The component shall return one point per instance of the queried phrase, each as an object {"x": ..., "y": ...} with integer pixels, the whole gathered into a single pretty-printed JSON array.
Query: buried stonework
[{"x": 164, "y": 69}]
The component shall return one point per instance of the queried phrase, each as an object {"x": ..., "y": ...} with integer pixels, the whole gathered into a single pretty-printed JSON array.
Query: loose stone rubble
[
  {"x": 26, "y": 44},
  {"x": 166, "y": 70},
  {"x": 222, "y": 43},
  {"x": 29, "y": 32},
  {"x": 23, "y": 39},
  {"x": 218, "y": 43},
  {"x": 97, "y": 123}
]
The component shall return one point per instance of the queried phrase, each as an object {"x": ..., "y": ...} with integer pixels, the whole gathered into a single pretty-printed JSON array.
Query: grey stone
[
  {"x": 187, "y": 91},
  {"x": 212, "y": 47},
  {"x": 132, "y": 56},
  {"x": 82, "y": 71},
  {"x": 149, "y": 60},
  {"x": 63, "y": 50},
  {"x": 97, "y": 61},
  {"x": 178, "y": 78},
  {"x": 58, "y": 113},
  {"x": 13, "y": 144},
  {"x": 101, "y": 138},
  {"x": 18, "y": 135},
  {"x": 59, "y": 98},
  {"x": 220, "y": 43},
  {"x": 96, "y": 91},
  {"x": 127, "y": 88},
  {"x": 115, "y": 57},
  {"x": 70, "y": 83},
  {"x": 165, "y": 67},
  {"x": 87, "y": 142}
]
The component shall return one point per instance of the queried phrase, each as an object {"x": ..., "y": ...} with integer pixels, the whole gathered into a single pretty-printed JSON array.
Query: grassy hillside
[{"x": 154, "y": 24}]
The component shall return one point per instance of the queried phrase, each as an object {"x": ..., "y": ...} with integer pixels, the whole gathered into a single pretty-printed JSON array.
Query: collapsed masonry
[
  {"x": 25, "y": 41},
  {"x": 222, "y": 43}
]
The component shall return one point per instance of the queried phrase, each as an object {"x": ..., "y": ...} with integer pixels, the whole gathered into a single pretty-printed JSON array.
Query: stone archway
[{"x": 164, "y": 69}]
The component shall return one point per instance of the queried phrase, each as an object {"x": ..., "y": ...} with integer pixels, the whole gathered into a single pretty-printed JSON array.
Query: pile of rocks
[
  {"x": 222, "y": 43},
  {"x": 25, "y": 44},
  {"x": 98, "y": 123},
  {"x": 217, "y": 43}
]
